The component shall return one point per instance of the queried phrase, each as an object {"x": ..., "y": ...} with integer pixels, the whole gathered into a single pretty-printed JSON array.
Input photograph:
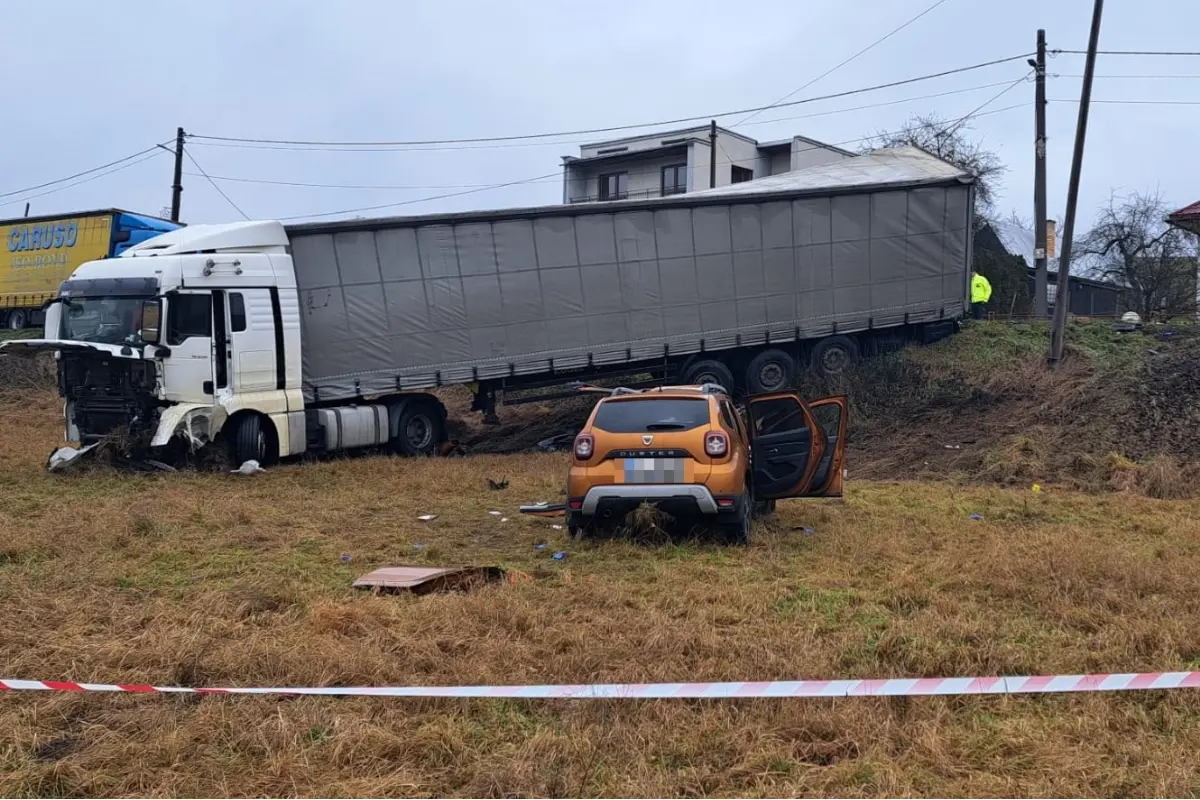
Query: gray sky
[{"x": 91, "y": 83}]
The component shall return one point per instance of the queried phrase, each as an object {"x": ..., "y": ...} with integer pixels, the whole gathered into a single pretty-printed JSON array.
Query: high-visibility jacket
[{"x": 981, "y": 290}]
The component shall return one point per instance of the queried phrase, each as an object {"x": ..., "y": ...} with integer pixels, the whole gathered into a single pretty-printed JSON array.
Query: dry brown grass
[{"x": 221, "y": 580}]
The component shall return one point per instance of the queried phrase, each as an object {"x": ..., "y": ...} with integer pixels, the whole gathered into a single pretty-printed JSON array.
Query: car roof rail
[
  {"x": 713, "y": 388},
  {"x": 624, "y": 390}
]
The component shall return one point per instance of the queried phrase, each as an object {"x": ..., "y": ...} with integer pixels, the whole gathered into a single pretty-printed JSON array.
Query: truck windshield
[{"x": 107, "y": 320}]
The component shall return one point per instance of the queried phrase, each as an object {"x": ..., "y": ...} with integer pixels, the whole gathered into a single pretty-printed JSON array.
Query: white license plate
[{"x": 654, "y": 470}]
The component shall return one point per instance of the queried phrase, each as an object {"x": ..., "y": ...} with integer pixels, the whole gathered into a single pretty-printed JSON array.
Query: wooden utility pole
[
  {"x": 177, "y": 187},
  {"x": 712, "y": 155},
  {"x": 1040, "y": 252},
  {"x": 1062, "y": 294}
]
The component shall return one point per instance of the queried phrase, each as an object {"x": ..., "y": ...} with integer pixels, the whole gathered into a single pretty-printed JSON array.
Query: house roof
[{"x": 1187, "y": 218}]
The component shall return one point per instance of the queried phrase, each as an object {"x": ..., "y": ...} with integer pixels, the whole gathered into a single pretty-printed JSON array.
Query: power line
[
  {"x": 122, "y": 166},
  {"x": 1129, "y": 77},
  {"x": 214, "y": 184},
  {"x": 841, "y": 64},
  {"x": 1129, "y": 52},
  {"x": 978, "y": 112},
  {"x": 303, "y": 144},
  {"x": 1136, "y": 102},
  {"x": 80, "y": 174}
]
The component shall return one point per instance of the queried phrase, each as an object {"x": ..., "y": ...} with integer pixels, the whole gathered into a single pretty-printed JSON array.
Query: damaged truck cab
[{"x": 193, "y": 338}]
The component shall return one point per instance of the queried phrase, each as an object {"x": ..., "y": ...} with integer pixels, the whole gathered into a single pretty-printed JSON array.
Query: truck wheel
[
  {"x": 419, "y": 431},
  {"x": 770, "y": 371},
  {"x": 17, "y": 319},
  {"x": 249, "y": 442},
  {"x": 709, "y": 371},
  {"x": 834, "y": 356}
]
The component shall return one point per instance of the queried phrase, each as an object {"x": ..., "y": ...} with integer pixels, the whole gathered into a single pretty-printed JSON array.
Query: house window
[
  {"x": 614, "y": 186},
  {"x": 674, "y": 179},
  {"x": 740, "y": 174}
]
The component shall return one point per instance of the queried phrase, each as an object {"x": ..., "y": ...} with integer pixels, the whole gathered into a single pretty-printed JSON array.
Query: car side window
[
  {"x": 188, "y": 315},
  {"x": 778, "y": 415}
]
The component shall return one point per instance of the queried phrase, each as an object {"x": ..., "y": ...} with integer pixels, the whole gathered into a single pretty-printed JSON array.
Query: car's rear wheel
[{"x": 737, "y": 529}]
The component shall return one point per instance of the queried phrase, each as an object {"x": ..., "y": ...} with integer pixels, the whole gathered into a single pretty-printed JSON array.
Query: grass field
[{"x": 221, "y": 580}]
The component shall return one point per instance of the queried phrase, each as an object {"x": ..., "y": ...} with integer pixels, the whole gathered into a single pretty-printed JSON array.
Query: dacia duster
[{"x": 691, "y": 452}]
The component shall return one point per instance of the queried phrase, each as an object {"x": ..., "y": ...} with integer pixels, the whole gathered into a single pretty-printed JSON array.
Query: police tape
[{"x": 888, "y": 687}]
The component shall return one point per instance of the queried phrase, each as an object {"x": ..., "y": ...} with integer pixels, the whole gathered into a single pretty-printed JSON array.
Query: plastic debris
[
  {"x": 495, "y": 513},
  {"x": 952, "y": 446},
  {"x": 539, "y": 547},
  {"x": 807, "y": 531},
  {"x": 557, "y": 527},
  {"x": 346, "y": 557},
  {"x": 427, "y": 517},
  {"x": 977, "y": 517},
  {"x": 419, "y": 546},
  {"x": 1037, "y": 488},
  {"x": 504, "y": 519},
  {"x": 560, "y": 555},
  {"x": 250, "y": 467}
]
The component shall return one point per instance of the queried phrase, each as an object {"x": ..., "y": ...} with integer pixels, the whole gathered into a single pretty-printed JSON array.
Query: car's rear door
[
  {"x": 786, "y": 445},
  {"x": 832, "y": 414}
]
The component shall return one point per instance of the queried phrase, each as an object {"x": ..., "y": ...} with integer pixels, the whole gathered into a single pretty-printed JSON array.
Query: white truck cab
[{"x": 196, "y": 333}]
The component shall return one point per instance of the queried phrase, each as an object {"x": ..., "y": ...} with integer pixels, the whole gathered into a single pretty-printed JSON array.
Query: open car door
[
  {"x": 786, "y": 445},
  {"x": 832, "y": 415}
]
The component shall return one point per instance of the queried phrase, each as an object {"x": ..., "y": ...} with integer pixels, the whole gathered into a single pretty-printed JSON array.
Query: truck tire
[
  {"x": 249, "y": 442},
  {"x": 420, "y": 430},
  {"x": 770, "y": 371},
  {"x": 834, "y": 356},
  {"x": 18, "y": 318},
  {"x": 709, "y": 370}
]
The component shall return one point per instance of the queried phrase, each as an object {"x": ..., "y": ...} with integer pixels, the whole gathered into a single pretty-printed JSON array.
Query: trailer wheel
[
  {"x": 18, "y": 318},
  {"x": 709, "y": 371},
  {"x": 770, "y": 371},
  {"x": 834, "y": 356},
  {"x": 419, "y": 431}
]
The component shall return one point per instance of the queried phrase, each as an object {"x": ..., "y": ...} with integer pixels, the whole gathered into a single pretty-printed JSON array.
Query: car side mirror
[{"x": 151, "y": 321}]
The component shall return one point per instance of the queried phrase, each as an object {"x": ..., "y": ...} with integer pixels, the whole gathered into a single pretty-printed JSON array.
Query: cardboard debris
[{"x": 423, "y": 580}]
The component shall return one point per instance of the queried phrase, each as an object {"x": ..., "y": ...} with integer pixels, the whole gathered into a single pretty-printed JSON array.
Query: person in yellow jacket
[{"x": 981, "y": 292}]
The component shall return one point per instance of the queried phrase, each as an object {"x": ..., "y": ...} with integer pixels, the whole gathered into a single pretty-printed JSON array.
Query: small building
[
  {"x": 1088, "y": 297},
  {"x": 679, "y": 161},
  {"x": 1188, "y": 219}
]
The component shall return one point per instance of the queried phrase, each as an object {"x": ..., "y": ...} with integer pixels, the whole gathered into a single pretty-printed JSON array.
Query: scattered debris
[
  {"x": 250, "y": 467},
  {"x": 952, "y": 446},
  {"x": 423, "y": 580},
  {"x": 977, "y": 517},
  {"x": 561, "y": 441},
  {"x": 1037, "y": 488},
  {"x": 539, "y": 547},
  {"x": 504, "y": 519},
  {"x": 498, "y": 486},
  {"x": 419, "y": 546},
  {"x": 61, "y": 458},
  {"x": 557, "y": 527},
  {"x": 544, "y": 509},
  {"x": 427, "y": 517},
  {"x": 560, "y": 555},
  {"x": 346, "y": 557},
  {"x": 807, "y": 531},
  {"x": 495, "y": 513}
]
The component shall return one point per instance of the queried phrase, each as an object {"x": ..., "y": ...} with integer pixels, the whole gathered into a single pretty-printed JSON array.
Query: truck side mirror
[{"x": 151, "y": 321}]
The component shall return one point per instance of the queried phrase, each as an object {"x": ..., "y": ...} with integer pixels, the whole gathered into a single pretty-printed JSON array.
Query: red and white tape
[{"x": 890, "y": 687}]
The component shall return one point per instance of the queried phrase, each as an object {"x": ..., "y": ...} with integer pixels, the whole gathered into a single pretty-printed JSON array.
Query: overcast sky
[{"x": 90, "y": 82}]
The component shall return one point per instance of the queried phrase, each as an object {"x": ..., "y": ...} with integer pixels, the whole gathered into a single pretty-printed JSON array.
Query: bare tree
[
  {"x": 1132, "y": 245},
  {"x": 950, "y": 140}
]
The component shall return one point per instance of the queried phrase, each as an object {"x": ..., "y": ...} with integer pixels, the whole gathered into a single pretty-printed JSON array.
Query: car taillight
[
  {"x": 585, "y": 445},
  {"x": 716, "y": 444}
]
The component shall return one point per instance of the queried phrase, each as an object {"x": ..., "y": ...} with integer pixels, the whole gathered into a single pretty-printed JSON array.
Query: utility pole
[
  {"x": 1062, "y": 298},
  {"x": 177, "y": 187},
  {"x": 1039, "y": 180},
  {"x": 712, "y": 155}
]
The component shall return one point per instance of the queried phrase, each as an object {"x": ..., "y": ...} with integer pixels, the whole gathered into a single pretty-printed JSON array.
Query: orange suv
[{"x": 689, "y": 451}]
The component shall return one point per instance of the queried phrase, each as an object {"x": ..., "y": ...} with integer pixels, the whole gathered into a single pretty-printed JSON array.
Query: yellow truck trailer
[{"x": 40, "y": 252}]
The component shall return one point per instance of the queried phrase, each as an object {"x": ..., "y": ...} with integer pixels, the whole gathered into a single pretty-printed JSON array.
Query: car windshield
[
  {"x": 107, "y": 320},
  {"x": 648, "y": 414}
]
